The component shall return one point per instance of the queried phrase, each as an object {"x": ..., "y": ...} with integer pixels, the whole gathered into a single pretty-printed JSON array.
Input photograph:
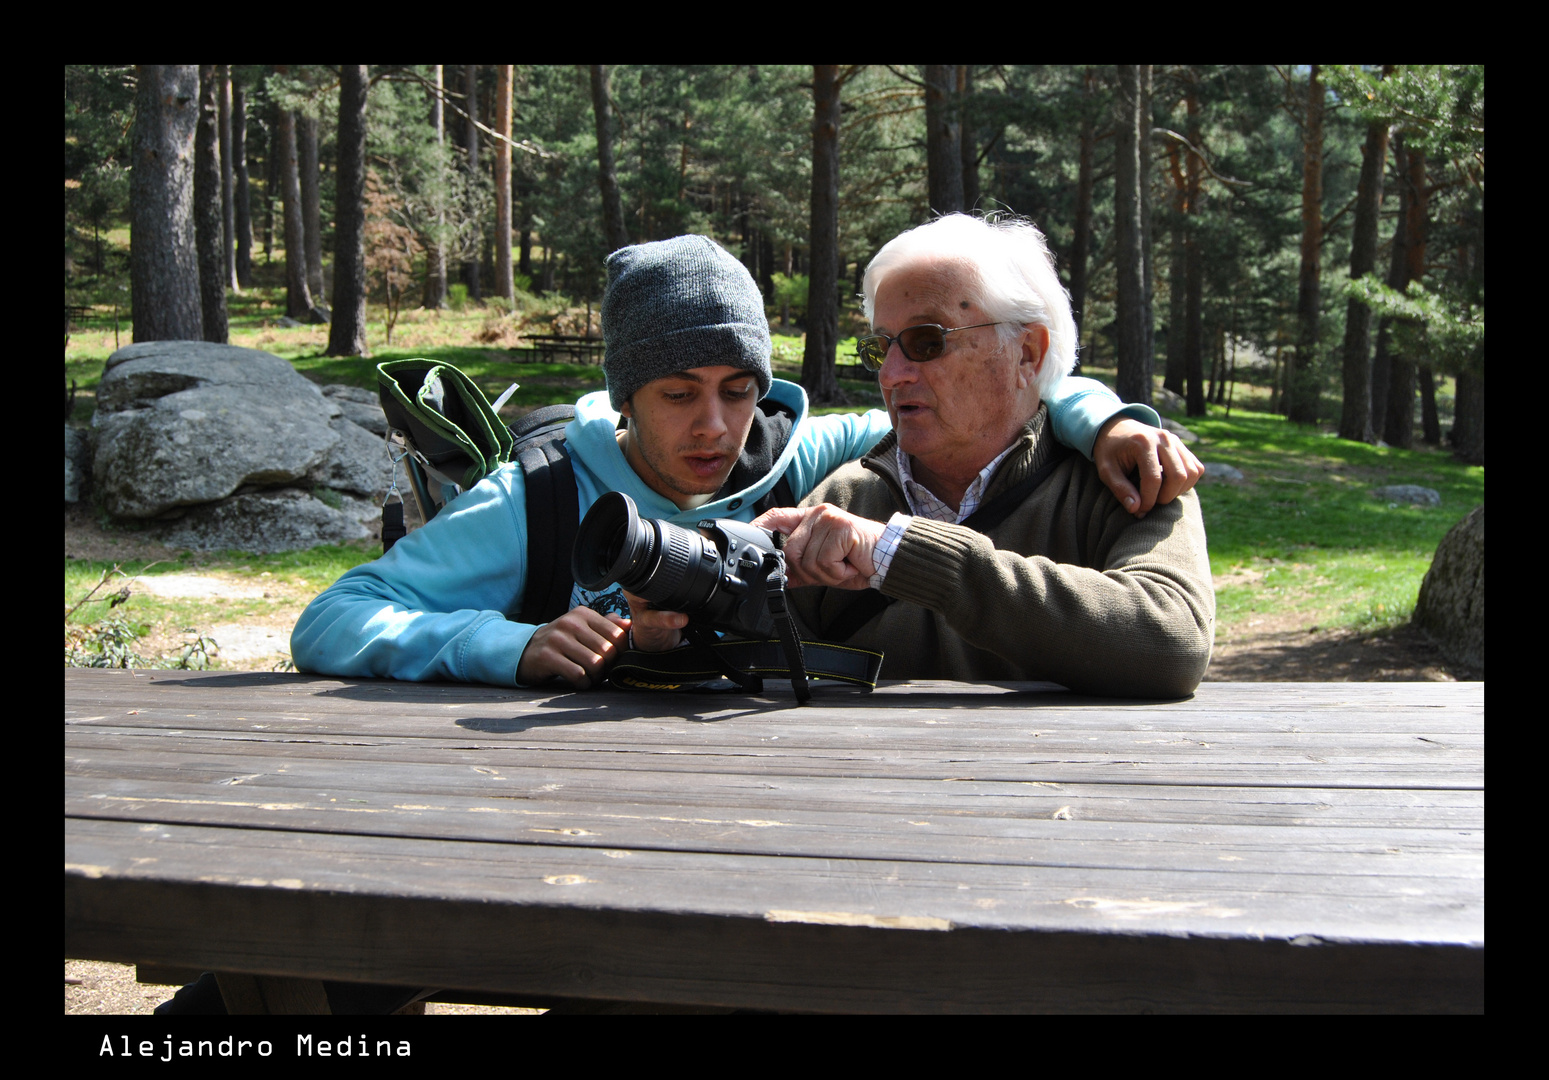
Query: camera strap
[{"x": 688, "y": 669}]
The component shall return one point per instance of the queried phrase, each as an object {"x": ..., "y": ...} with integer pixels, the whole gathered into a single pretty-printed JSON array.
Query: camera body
[{"x": 717, "y": 575}]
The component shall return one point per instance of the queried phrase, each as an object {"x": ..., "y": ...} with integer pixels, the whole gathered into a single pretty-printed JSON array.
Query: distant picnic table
[
  {"x": 930, "y": 847},
  {"x": 566, "y": 348}
]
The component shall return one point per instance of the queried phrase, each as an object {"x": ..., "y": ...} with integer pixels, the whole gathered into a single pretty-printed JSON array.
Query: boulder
[
  {"x": 358, "y": 406},
  {"x": 1408, "y": 493},
  {"x": 1219, "y": 471},
  {"x": 263, "y": 522},
  {"x": 357, "y": 463},
  {"x": 1179, "y": 430},
  {"x": 1451, "y": 605},
  {"x": 77, "y": 461},
  {"x": 182, "y": 423},
  {"x": 1165, "y": 401}
]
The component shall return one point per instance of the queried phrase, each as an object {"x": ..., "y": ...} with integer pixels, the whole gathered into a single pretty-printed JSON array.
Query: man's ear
[
  {"x": 1035, "y": 349},
  {"x": 626, "y": 410}
]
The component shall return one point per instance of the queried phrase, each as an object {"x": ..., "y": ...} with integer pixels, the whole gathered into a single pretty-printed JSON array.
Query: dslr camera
[{"x": 720, "y": 575}]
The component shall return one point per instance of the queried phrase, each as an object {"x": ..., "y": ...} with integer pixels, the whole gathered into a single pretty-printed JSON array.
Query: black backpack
[{"x": 450, "y": 437}]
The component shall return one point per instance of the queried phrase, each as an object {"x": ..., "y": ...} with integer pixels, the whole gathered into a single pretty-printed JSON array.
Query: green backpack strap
[{"x": 453, "y": 433}]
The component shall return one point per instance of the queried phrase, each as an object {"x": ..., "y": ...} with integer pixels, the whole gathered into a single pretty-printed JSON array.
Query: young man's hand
[
  {"x": 1165, "y": 467},
  {"x": 654, "y": 631},
  {"x": 578, "y": 647}
]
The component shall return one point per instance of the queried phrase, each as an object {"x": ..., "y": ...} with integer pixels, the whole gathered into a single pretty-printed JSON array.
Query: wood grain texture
[{"x": 923, "y": 848}]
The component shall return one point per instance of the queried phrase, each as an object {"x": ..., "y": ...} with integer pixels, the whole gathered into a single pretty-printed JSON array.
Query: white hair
[{"x": 1011, "y": 271}]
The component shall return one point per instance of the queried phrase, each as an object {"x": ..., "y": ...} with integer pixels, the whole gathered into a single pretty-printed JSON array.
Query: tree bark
[
  {"x": 817, "y": 363},
  {"x": 471, "y": 276},
  {"x": 503, "y": 282},
  {"x": 208, "y": 230},
  {"x": 1399, "y": 424},
  {"x": 1134, "y": 367},
  {"x": 613, "y": 232},
  {"x": 347, "y": 334},
  {"x": 943, "y": 139},
  {"x": 311, "y": 202},
  {"x": 298, "y": 295},
  {"x": 1468, "y": 422},
  {"x": 1355, "y": 412},
  {"x": 1148, "y": 317},
  {"x": 435, "y": 251},
  {"x": 1303, "y": 384},
  {"x": 242, "y": 191},
  {"x": 163, "y": 260},
  {"x": 1194, "y": 271},
  {"x": 228, "y": 207},
  {"x": 1177, "y": 278},
  {"x": 969, "y": 145},
  {"x": 1081, "y": 244}
]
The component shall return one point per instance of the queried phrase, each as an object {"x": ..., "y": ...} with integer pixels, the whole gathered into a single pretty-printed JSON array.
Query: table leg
[{"x": 257, "y": 995}]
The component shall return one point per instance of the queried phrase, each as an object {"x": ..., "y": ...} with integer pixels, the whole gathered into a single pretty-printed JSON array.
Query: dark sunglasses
[{"x": 921, "y": 344}]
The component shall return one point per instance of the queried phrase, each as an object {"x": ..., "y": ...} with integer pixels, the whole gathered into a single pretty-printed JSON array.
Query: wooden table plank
[{"x": 940, "y": 847}]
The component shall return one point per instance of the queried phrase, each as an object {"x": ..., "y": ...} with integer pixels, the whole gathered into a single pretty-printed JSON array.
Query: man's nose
[
  {"x": 710, "y": 420},
  {"x": 896, "y": 367}
]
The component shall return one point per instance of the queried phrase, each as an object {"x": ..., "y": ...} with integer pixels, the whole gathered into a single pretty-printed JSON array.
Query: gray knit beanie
[{"x": 678, "y": 304}]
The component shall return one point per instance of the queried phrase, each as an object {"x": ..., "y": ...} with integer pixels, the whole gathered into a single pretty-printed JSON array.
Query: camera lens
[{"x": 676, "y": 569}]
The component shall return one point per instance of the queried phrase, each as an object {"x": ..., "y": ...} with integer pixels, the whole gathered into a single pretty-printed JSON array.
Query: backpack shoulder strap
[{"x": 553, "y": 510}]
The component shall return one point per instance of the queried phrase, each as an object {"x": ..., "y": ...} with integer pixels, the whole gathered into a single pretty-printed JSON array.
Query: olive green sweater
[{"x": 1068, "y": 588}]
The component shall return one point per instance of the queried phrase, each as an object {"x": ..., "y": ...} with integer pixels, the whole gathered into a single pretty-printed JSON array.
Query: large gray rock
[
  {"x": 181, "y": 423},
  {"x": 358, "y": 463},
  {"x": 77, "y": 461},
  {"x": 1451, "y": 605},
  {"x": 359, "y": 406},
  {"x": 263, "y": 522},
  {"x": 1408, "y": 493}
]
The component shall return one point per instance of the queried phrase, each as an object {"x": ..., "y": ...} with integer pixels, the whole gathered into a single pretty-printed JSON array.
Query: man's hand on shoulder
[
  {"x": 825, "y": 545},
  {"x": 577, "y": 647},
  {"x": 1165, "y": 467}
]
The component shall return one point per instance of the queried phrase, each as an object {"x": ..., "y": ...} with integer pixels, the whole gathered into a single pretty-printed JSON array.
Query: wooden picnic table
[
  {"x": 929, "y": 847},
  {"x": 566, "y": 348}
]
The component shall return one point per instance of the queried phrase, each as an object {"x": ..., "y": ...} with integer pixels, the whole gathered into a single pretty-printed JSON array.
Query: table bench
[{"x": 931, "y": 847}]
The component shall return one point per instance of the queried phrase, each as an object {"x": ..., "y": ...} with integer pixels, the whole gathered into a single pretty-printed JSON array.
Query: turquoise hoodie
[{"x": 436, "y": 606}]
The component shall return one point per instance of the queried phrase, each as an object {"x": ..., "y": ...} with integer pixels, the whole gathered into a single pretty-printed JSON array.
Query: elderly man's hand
[
  {"x": 654, "y": 631},
  {"x": 1165, "y": 467},
  {"x": 577, "y": 647},
  {"x": 825, "y": 545}
]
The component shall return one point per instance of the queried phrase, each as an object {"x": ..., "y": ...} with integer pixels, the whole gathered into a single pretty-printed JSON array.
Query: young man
[{"x": 708, "y": 433}]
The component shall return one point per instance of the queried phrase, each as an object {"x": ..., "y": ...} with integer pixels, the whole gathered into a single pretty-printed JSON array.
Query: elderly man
[{"x": 968, "y": 544}]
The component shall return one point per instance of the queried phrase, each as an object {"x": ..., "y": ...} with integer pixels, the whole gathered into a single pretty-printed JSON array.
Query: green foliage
[
  {"x": 790, "y": 290},
  {"x": 1446, "y": 330}
]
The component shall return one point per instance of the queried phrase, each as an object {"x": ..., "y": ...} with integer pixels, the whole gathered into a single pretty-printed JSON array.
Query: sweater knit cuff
[{"x": 927, "y": 566}]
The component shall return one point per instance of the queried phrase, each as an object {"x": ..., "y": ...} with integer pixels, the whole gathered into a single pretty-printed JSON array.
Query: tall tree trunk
[
  {"x": 969, "y": 143},
  {"x": 1430, "y": 423},
  {"x": 1134, "y": 374},
  {"x": 471, "y": 276},
  {"x": 1468, "y": 420},
  {"x": 503, "y": 283},
  {"x": 1177, "y": 277},
  {"x": 435, "y": 250},
  {"x": 347, "y": 334},
  {"x": 1355, "y": 412},
  {"x": 208, "y": 230},
  {"x": 163, "y": 259},
  {"x": 943, "y": 139},
  {"x": 1081, "y": 243},
  {"x": 1399, "y": 425},
  {"x": 298, "y": 295},
  {"x": 242, "y": 190},
  {"x": 613, "y": 232},
  {"x": 311, "y": 202},
  {"x": 228, "y": 208},
  {"x": 817, "y": 363},
  {"x": 1303, "y": 385},
  {"x": 271, "y": 178},
  {"x": 1148, "y": 318},
  {"x": 1194, "y": 268}
]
